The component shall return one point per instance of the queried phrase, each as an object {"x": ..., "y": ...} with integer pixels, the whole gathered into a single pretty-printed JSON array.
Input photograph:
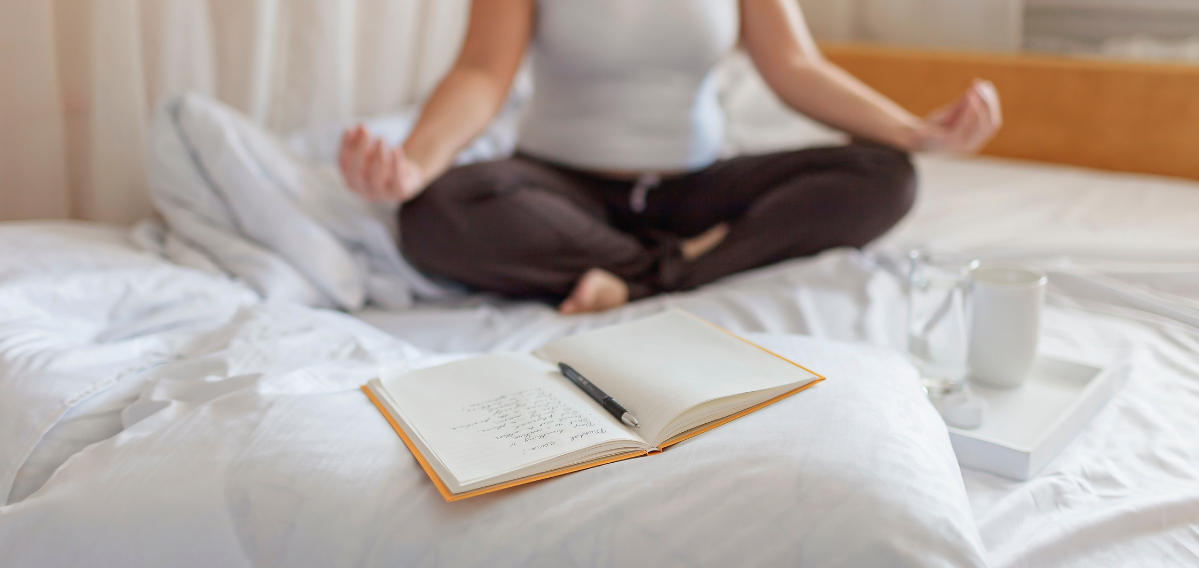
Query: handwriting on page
[{"x": 530, "y": 420}]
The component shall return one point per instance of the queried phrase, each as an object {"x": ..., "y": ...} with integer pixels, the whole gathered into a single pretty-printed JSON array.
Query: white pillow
[
  {"x": 191, "y": 136},
  {"x": 286, "y": 226}
]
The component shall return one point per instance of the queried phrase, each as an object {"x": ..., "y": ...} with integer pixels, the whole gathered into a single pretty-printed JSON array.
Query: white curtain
[{"x": 79, "y": 78}]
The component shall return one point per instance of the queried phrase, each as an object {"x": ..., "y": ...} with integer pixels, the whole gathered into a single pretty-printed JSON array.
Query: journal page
[
  {"x": 491, "y": 415},
  {"x": 662, "y": 366}
]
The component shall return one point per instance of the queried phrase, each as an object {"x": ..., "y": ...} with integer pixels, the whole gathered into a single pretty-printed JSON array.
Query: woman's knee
[
  {"x": 480, "y": 213},
  {"x": 452, "y": 193},
  {"x": 433, "y": 225},
  {"x": 458, "y": 186},
  {"x": 891, "y": 178}
]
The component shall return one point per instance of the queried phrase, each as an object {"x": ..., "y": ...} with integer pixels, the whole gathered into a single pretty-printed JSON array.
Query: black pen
[{"x": 598, "y": 395}]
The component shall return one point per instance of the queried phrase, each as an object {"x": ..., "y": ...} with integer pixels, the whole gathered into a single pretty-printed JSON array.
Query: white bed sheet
[{"x": 1123, "y": 255}]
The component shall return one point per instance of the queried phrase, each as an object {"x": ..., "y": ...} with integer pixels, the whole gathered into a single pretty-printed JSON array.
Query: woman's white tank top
[{"x": 628, "y": 84}]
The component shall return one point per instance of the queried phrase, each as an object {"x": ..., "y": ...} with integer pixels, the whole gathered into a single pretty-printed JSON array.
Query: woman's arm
[
  {"x": 778, "y": 42},
  {"x": 458, "y": 110}
]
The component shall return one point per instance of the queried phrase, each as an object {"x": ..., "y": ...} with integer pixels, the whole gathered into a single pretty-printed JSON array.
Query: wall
[{"x": 992, "y": 25}]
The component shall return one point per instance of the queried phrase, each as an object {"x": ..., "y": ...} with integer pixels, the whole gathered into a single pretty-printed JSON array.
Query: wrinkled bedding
[
  {"x": 250, "y": 443},
  {"x": 183, "y": 420}
]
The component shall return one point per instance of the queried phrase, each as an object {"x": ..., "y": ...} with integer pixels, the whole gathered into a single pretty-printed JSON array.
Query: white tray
[{"x": 1027, "y": 426}]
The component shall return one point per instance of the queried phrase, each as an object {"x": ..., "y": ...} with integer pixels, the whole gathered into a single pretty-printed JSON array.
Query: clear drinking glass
[{"x": 938, "y": 326}]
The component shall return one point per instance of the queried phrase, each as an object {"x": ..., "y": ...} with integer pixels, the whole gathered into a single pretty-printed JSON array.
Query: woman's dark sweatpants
[{"x": 524, "y": 227}]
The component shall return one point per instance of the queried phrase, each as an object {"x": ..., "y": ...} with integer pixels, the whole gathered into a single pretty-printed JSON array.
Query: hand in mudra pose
[
  {"x": 377, "y": 172},
  {"x": 964, "y": 125}
]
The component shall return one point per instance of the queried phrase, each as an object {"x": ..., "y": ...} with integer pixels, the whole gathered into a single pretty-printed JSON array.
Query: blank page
[{"x": 660, "y": 367}]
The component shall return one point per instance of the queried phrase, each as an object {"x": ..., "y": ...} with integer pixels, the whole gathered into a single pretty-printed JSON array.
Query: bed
[{"x": 155, "y": 414}]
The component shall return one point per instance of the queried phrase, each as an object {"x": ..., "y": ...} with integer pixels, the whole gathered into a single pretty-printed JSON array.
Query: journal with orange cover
[{"x": 496, "y": 421}]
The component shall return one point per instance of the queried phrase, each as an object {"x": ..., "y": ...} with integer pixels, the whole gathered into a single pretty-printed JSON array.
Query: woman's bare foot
[
  {"x": 597, "y": 290},
  {"x": 703, "y": 243}
]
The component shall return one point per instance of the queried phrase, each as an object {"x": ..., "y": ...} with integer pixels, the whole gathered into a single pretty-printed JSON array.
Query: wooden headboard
[{"x": 1114, "y": 115}]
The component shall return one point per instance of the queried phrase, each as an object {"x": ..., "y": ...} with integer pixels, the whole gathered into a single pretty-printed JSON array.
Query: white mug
[{"x": 1005, "y": 325}]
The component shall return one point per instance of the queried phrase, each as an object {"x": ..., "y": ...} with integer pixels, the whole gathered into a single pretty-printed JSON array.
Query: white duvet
[{"x": 250, "y": 443}]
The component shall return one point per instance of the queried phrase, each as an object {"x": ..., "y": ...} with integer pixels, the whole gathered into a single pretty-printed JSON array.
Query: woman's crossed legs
[{"x": 526, "y": 228}]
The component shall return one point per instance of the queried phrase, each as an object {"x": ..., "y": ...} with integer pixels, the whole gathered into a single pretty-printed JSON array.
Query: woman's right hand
[{"x": 376, "y": 172}]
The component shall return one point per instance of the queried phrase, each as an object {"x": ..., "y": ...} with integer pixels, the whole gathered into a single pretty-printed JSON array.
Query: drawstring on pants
[{"x": 646, "y": 182}]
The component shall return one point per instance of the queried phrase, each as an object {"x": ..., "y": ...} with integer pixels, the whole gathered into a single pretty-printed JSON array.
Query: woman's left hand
[{"x": 964, "y": 125}]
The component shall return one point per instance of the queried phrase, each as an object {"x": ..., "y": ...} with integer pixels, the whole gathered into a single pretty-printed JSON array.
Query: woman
[{"x": 616, "y": 192}]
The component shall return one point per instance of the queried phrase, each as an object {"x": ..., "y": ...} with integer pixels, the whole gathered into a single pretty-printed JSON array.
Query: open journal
[{"x": 495, "y": 421}]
